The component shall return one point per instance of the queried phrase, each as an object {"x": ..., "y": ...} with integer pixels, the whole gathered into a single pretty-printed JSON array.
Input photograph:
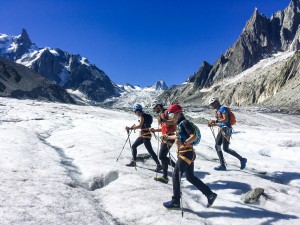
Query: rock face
[
  {"x": 261, "y": 39},
  {"x": 20, "y": 82},
  {"x": 67, "y": 70}
]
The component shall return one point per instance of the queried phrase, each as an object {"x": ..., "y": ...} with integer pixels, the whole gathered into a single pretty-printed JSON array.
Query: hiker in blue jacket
[
  {"x": 224, "y": 134},
  {"x": 186, "y": 156}
]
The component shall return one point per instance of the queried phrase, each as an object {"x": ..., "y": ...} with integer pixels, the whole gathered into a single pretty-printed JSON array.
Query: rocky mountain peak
[
  {"x": 255, "y": 23},
  {"x": 160, "y": 85},
  {"x": 24, "y": 38}
]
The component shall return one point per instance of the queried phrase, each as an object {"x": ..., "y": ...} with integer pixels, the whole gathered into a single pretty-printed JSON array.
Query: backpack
[
  {"x": 231, "y": 116},
  {"x": 148, "y": 119},
  {"x": 197, "y": 133}
]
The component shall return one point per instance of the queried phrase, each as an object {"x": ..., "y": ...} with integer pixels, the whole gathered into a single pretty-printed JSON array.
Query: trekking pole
[
  {"x": 157, "y": 145},
  {"x": 213, "y": 132},
  {"x": 181, "y": 208},
  {"x": 124, "y": 144}
]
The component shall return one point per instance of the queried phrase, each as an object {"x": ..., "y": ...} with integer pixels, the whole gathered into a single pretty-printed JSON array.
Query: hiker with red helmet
[
  {"x": 186, "y": 157},
  {"x": 167, "y": 127},
  {"x": 145, "y": 136},
  {"x": 224, "y": 133}
]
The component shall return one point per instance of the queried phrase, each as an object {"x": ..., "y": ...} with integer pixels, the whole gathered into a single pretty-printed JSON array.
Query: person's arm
[
  {"x": 191, "y": 132},
  {"x": 223, "y": 118},
  {"x": 139, "y": 126},
  {"x": 134, "y": 127}
]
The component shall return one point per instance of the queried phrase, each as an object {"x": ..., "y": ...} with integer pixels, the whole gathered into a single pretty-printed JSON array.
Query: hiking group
[{"x": 175, "y": 128}]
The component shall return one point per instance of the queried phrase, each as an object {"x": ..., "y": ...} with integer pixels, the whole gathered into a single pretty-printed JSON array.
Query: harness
[
  {"x": 227, "y": 137},
  {"x": 145, "y": 133},
  {"x": 184, "y": 148}
]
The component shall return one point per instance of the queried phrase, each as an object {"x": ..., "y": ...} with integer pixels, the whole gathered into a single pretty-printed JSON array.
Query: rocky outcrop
[
  {"x": 201, "y": 76},
  {"x": 24, "y": 44},
  {"x": 20, "y": 82},
  {"x": 253, "y": 195},
  {"x": 260, "y": 39},
  {"x": 91, "y": 81}
]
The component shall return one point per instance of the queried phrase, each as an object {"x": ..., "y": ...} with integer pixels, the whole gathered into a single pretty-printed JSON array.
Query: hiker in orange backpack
[
  {"x": 167, "y": 127},
  {"x": 223, "y": 117},
  {"x": 145, "y": 136}
]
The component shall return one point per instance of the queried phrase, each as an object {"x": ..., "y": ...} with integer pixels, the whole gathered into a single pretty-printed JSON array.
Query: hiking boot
[
  {"x": 162, "y": 179},
  {"x": 171, "y": 204},
  {"x": 131, "y": 164},
  {"x": 211, "y": 199},
  {"x": 158, "y": 168},
  {"x": 243, "y": 163},
  {"x": 220, "y": 168}
]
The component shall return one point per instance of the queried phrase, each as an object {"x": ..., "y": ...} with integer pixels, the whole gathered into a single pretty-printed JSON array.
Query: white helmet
[
  {"x": 213, "y": 100},
  {"x": 156, "y": 102}
]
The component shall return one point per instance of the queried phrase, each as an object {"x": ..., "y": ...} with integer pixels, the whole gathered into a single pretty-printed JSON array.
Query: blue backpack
[{"x": 197, "y": 133}]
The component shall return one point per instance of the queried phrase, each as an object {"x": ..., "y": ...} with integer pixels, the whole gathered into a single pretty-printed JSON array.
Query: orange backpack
[{"x": 231, "y": 117}]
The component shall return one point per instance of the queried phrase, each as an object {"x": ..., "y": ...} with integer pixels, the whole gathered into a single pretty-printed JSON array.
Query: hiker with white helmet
[
  {"x": 145, "y": 136},
  {"x": 167, "y": 127},
  {"x": 224, "y": 133}
]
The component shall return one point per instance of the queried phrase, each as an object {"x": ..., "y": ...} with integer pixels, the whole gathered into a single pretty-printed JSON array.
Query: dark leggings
[
  {"x": 148, "y": 146},
  {"x": 165, "y": 160},
  {"x": 222, "y": 140},
  {"x": 184, "y": 167}
]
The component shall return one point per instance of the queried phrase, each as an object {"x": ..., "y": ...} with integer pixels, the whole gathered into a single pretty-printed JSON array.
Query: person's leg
[
  {"x": 149, "y": 148},
  {"x": 227, "y": 132},
  {"x": 226, "y": 148},
  {"x": 163, "y": 152},
  {"x": 137, "y": 143},
  {"x": 190, "y": 176},
  {"x": 165, "y": 160},
  {"x": 219, "y": 141},
  {"x": 180, "y": 168}
]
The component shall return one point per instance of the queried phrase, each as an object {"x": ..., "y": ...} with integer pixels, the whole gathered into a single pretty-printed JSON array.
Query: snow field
[{"x": 53, "y": 154}]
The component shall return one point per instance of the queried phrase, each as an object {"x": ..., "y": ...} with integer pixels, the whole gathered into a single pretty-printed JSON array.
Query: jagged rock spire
[{"x": 24, "y": 38}]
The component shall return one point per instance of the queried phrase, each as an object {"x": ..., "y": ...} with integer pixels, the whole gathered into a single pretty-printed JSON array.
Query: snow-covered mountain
[
  {"x": 18, "y": 81},
  {"x": 160, "y": 86},
  {"x": 131, "y": 95},
  {"x": 275, "y": 83},
  {"x": 65, "y": 69}
]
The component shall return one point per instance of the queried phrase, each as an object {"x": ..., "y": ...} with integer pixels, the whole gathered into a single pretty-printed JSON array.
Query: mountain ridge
[{"x": 261, "y": 39}]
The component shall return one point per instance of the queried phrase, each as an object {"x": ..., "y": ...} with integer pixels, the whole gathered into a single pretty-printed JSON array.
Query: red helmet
[{"x": 175, "y": 108}]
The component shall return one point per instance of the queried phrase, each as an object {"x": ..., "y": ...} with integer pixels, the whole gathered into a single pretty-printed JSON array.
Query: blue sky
[{"x": 136, "y": 41}]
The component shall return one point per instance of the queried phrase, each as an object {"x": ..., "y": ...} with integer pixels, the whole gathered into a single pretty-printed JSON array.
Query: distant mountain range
[
  {"x": 84, "y": 81},
  {"x": 130, "y": 95},
  {"x": 260, "y": 68},
  {"x": 67, "y": 70}
]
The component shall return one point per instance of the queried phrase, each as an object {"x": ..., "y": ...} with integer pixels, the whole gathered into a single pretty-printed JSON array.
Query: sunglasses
[{"x": 171, "y": 115}]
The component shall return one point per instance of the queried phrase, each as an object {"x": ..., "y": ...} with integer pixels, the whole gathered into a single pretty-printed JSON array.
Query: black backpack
[{"x": 148, "y": 119}]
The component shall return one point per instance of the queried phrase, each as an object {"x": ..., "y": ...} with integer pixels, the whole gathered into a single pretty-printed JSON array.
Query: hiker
[
  {"x": 224, "y": 133},
  {"x": 145, "y": 136},
  {"x": 186, "y": 157},
  {"x": 167, "y": 127}
]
